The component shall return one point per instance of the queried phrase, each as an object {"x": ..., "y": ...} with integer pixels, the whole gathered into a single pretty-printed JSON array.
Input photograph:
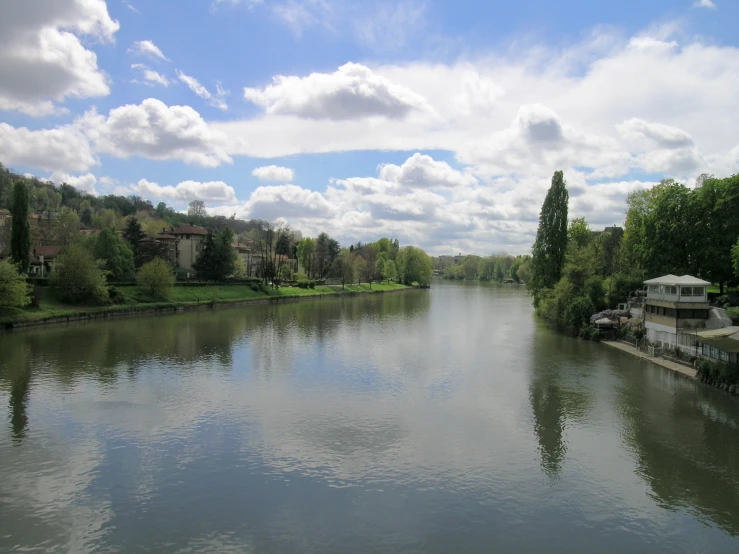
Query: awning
[
  {"x": 718, "y": 333},
  {"x": 725, "y": 344}
]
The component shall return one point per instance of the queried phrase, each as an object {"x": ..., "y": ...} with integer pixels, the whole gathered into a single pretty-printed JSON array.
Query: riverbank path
[{"x": 667, "y": 364}]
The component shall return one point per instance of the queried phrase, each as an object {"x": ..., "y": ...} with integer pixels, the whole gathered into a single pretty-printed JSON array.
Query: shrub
[
  {"x": 79, "y": 277},
  {"x": 733, "y": 313},
  {"x": 311, "y": 284},
  {"x": 14, "y": 290},
  {"x": 156, "y": 278},
  {"x": 304, "y": 284}
]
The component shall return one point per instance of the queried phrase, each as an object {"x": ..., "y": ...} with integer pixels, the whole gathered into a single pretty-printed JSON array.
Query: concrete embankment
[
  {"x": 145, "y": 309},
  {"x": 667, "y": 364}
]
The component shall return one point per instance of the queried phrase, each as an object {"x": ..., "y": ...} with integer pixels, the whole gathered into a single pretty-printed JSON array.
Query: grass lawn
[{"x": 51, "y": 306}]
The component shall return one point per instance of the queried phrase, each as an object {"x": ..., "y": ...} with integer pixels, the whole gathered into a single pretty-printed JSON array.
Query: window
[
  {"x": 686, "y": 291},
  {"x": 685, "y": 314},
  {"x": 669, "y": 289},
  {"x": 698, "y": 291}
]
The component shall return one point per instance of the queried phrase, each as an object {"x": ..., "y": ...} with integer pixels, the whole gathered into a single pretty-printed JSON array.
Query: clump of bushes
[
  {"x": 306, "y": 284},
  {"x": 156, "y": 278}
]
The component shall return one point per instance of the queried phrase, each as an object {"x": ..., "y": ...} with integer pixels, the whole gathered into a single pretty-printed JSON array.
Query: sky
[{"x": 436, "y": 122}]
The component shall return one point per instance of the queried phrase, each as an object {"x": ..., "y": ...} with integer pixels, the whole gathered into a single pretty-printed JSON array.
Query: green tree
[
  {"x": 67, "y": 227},
  {"x": 306, "y": 247},
  {"x": 15, "y": 292},
  {"x": 156, "y": 278},
  {"x": 217, "y": 259},
  {"x": 579, "y": 232},
  {"x": 20, "y": 234},
  {"x": 114, "y": 252},
  {"x": 414, "y": 265},
  {"x": 79, "y": 277},
  {"x": 469, "y": 266},
  {"x": 551, "y": 238},
  {"x": 669, "y": 238},
  {"x": 86, "y": 214},
  {"x": 342, "y": 268},
  {"x": 390, "y": 272}
]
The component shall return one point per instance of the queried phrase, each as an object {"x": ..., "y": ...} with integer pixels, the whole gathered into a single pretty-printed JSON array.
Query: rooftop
[
  {"x": 687, "y": 280},
  {"x": 188, "y": 230},
  {"x": 46, "y": 251}
]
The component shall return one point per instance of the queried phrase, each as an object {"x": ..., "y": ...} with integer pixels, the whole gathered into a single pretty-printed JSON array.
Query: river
[{"x": 439, "y": 421}]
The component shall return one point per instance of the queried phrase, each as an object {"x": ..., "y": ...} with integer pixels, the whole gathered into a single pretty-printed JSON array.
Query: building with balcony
[{"x": 675, "y": 308}]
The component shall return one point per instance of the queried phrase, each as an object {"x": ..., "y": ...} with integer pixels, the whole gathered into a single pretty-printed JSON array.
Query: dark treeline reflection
[
  {"x": 685, "y": 438},
  {"x": 111, "y": 350},
  {"x": 558, "y": 394}
]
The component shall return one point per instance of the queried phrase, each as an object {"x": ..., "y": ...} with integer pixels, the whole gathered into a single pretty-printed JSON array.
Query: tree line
[
  {"x": 491, "y": 268},
  {"x": 89, "y": 264},
  {"x": 669, "y": 229}
]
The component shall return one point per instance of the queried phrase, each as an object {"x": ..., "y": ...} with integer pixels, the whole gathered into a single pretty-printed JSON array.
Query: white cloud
[
  {"x": 382, "y": 25},
  {"x": 84, "y": 182},
  {"x": 131, "y": 7},
  {"x": 420, "y": 171},
  {"x": 351, "y": 92},
  {"x": 705, "y": 4},
  {"x": 43, "y": 60},
  {"x": 217, "y": 100},
  {"x": 212, "y": 191},
  {"x": 150, "y": 77},
  {"x": 148, "y": 49},
  {"x": 156, "y": 131},
  {"x": 274, "y": 173},
  {"x": 65, "y": 148},
  {"x": 663, "y": 135}
]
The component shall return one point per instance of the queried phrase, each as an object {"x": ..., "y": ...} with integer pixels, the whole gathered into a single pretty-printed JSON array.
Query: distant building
[
  {"x": 43, "y": 259},
  {"x": 189, "y": 243},
  {"x": 675, "y": 308},
  {"x": 615, "y": 230}
]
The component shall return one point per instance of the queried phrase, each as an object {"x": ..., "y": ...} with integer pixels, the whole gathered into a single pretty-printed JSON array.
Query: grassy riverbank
[{"x": 133, "y": 299}]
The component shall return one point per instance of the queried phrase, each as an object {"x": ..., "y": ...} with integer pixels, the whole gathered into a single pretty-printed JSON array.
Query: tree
[
  {"x": 306, "y": 247},
  {"x": 86, "y": 214},
  {"x": 360, "y": 269},
  {"x": 414, "y": 265},
  {"x": 114, "y": 252},
  {"x": 67, "y": 228},
  {"x": 342, "y": 267},
  {"x": 20, "y": 234},
  {"x": 551, "y": 237},
  {"x": 217, "y": 258},
  {"x": 390, "y": 271},
  {"x": 156, "y": 278},
  {"x": 196, "y": 208},
  {"x": 133, "y": 234},
  {"x": 380, "y": 262},
  {"x": 579, "y": 233},
  {"x": 79, "y": 277},
  {"x": 470, "y": 266},
  {"x": 240, "y": 270},
  {"x": 15, "y": 292}
]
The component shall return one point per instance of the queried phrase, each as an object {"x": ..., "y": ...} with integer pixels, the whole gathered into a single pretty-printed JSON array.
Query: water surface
[{"x": 436, "y": 421}]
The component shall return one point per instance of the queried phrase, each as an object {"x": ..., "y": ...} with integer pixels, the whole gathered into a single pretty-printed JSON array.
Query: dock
[{"x": 667, "y": 364}]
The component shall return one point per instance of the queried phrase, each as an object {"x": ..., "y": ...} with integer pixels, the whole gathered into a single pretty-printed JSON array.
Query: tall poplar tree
[
  {"x": 551, "y": 238},
  {"x": 20, "y": 234}
]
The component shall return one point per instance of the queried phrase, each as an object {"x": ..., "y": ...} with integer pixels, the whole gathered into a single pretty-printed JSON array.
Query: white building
[{"x": 676, "y": 307}]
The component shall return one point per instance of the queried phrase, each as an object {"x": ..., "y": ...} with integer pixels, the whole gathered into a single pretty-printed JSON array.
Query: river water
[{"x": 438, "y": 421}]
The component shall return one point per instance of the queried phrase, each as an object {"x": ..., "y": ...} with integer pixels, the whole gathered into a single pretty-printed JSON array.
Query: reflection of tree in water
[
  {"x": 686, "y": 441},
  {"x": 15, "y": 374},
  {"x": 557, "y": 393},
  {"x": 278, "y": 334}
]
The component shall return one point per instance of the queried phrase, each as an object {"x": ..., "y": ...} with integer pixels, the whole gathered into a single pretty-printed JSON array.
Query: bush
[
  {"x": 115, "y": 296},
  {"x": 79, "y": 277},
  {"x": 311, "y": 284},
  {"x": 156, "y": 278},
  {"x": 14, "y": 290},
  {"x": 733, "y": 313}
]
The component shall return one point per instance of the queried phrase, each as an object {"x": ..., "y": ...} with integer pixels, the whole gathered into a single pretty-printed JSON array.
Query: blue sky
[{"x": 437, "y": 122}]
